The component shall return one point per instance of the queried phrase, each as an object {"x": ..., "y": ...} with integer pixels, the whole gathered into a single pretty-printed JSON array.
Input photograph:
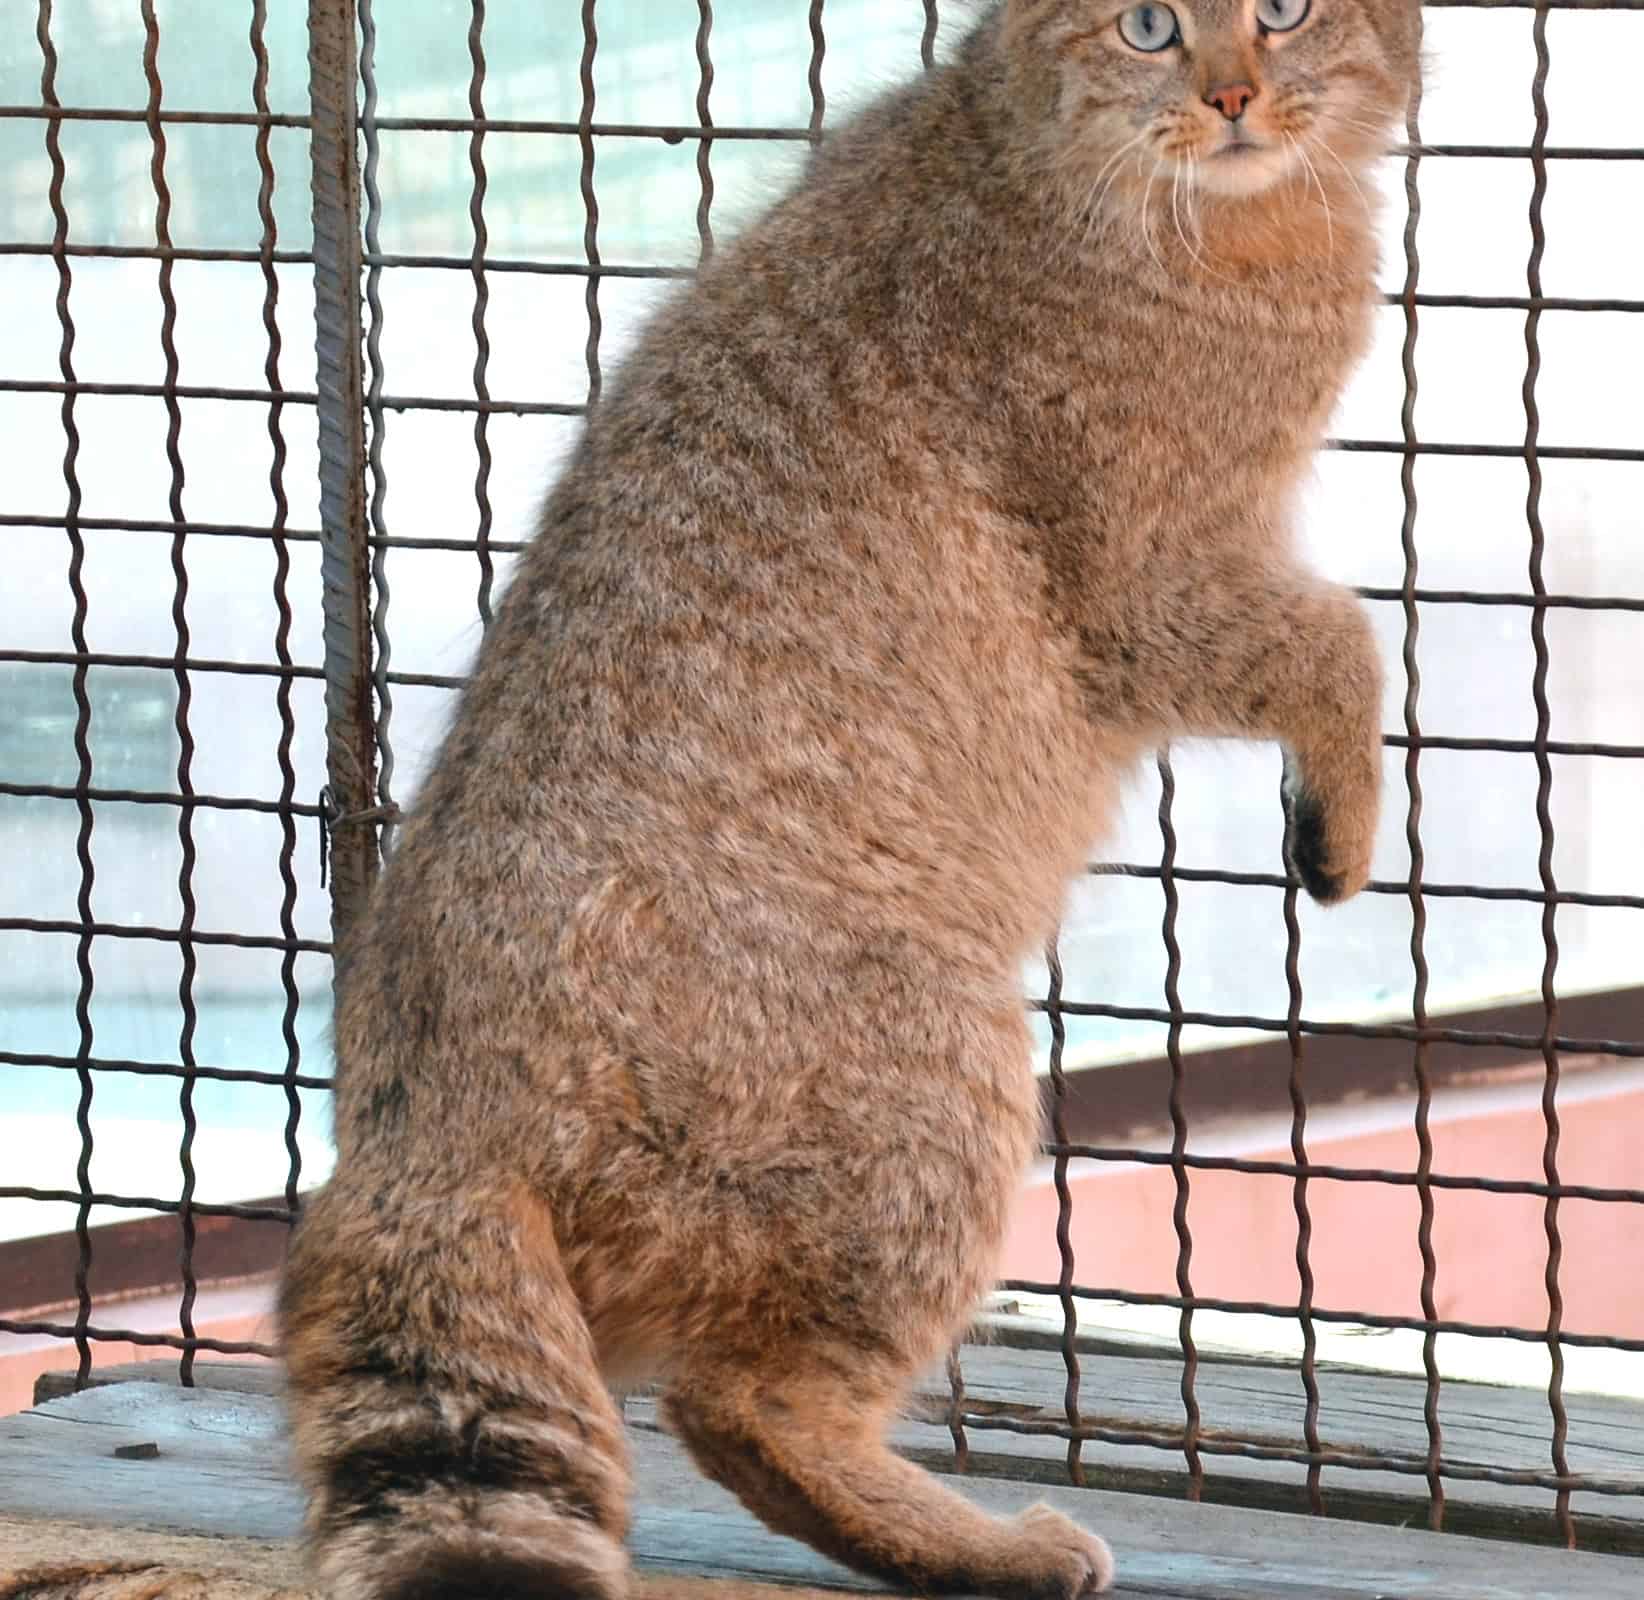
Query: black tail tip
[{"x": 469, "y": 1576}]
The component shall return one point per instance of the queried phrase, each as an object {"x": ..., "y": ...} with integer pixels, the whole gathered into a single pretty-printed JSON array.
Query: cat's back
[
  {"x": 769, "y": 580},
  {"x": 787, "y": 643},
  {"x": 768, "y": 690}
]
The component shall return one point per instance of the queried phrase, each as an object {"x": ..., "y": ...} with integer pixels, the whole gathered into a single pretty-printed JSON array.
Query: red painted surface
[
  {"x": 239, "y": 1311},
  {"x": 1491, "y": 1248}
]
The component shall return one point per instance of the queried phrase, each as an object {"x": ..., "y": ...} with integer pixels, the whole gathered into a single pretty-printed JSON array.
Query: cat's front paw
[
  {"x": 1334, "y": 832},
  {"x": 1059, "y": 1559}
]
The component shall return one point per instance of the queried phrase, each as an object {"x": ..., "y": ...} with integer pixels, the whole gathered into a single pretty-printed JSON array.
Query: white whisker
[
  {"x": 1147, "y": 233},
  {"x": 1378, "y": 131},
  {"x": 1347, "y": 171},
  {"x": 1176, "y": 216},
  {"x": 1318, "y": 183},
  {"x": 1109, "y": 170}
]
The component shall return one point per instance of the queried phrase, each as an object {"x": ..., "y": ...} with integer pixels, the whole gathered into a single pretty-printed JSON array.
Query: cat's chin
[{"x": 1241, "y": 170}]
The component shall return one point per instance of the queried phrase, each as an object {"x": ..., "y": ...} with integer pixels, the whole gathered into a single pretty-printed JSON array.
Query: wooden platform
[{"x": 213, "y": 1497}]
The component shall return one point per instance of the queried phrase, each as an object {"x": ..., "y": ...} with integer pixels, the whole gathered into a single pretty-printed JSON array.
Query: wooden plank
[
  {"x": 1484, "y": 1424},
  {"x": 242, "y": 1377},
  {"x": 220, "y": 1471},
  {"x": 1106, "y": 1327},
  {"x": 70, "y": 1561},
  {"x": 1365, "y": 1413},
  {"x": 1370, "y": 1413}
]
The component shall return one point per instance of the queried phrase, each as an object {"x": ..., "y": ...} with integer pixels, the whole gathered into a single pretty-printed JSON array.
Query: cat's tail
[{"x": 447, "y": 1413}]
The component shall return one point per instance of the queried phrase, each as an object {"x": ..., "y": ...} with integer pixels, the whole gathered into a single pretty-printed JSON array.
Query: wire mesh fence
[{"x": 278, "y": 754}]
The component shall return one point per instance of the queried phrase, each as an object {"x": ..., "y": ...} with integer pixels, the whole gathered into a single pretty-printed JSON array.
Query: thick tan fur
[{"x": 683, "y": 1036}]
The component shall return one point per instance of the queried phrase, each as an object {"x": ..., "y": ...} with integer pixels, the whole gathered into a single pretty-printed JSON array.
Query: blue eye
[
  {"x": 1150, "y": 27},
  {"x": 1280, "y": 16}
]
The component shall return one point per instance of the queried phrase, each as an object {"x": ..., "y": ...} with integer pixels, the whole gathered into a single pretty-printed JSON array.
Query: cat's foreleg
[
  {"x": 1275, "y": 653},
  {"x": 1323, "y": 679}
]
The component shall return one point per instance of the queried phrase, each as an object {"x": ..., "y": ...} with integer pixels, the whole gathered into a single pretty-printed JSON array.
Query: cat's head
[{"x": 1230, "y": 96}]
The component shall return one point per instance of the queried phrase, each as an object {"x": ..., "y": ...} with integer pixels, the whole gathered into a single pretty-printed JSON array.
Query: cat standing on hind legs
[{"x": 682, "y": 1037}]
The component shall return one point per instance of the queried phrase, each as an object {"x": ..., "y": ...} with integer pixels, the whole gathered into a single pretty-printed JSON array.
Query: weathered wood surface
[
  {"x": 221, "y": 1471},
  {"x": 1364, "y": 1412},
  {"x": 71, "y": 1561},
  {"x": 238, "y": 1377}
]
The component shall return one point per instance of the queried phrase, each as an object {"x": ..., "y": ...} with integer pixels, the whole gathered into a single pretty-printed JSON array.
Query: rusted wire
[
  {"x": 1528, "y": 5},
  {"x": 82, "y": 704},
  {"x": 1544, "y": 788},
  {"x": 1430, "y": 890},
  {"x": 616, "y": 269},
  {"x": 188, "y": 1345},
  {"x": 377, "y": 409},
  {"x": 1393, "y": 741},
  {"x": 1501, "y": 1038},
  {"x": 161, "y": 1069},
  {"x": 813, "y": 76},
  {"x": 678, "y": 132},
  {"x": 334, "y": 185},
  {"x": 482, "y": 299},
  {"x": 109, "y": 658},
  {"x": 1412, "y": 817},
  {"x": 127, "y": 930},
  {"x": 1064, "y": 1209},
  {"x": 1298, "y": 1151},
  {"x": 705, "y": 145},
  {"x": 1496, "y": 452},
  {"x": 148, "y": 797},
  {"x": 185, "y": 691},
  {"x": 220, "y": 530},
  {"x": 1335, "y": 1173},
  {"x": 245, "y": 530},
  {"x": 1356, "y": 1317},
  {"x": 130, "y": 1202},
  {"x": 586, "y": 134},
  {"x": 1359, "y": 1460},
  {"x": 1179, "y": 1165},
  {"x": 567, "y": 408},
  {"x": 285, "y": 808}
]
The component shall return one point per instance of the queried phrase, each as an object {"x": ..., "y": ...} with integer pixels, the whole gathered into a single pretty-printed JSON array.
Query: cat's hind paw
[{"x": 1060, "y": 1560}]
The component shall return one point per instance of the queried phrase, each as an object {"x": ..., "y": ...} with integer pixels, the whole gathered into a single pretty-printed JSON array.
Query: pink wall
[
  {"x": 243, "y": 1311},
  {"x": 1491, "y": 1248}
]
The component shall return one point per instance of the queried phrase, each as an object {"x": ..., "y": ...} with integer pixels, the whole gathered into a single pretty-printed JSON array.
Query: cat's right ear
[
  {"x": 1398, "y": 24},
  {"x": 1031, "y": 15},
  {"x": 1026, "y": 34}
]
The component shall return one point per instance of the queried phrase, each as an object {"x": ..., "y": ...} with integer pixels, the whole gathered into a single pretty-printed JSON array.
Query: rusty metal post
[{"x": 345, "y": 562}]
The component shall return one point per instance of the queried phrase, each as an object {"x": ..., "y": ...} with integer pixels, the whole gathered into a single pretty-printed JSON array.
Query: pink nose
[{"x": 1230, "y": 99}]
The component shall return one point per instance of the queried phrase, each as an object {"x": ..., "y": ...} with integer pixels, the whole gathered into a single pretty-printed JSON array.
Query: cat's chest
[{"x": 1206, "y": 399}]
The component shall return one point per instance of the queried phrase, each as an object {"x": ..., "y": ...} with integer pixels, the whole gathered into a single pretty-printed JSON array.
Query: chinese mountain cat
[{"x": 682, "y": 1039}]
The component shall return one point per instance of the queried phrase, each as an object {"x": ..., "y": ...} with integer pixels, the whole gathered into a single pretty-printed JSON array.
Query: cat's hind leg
[
  {"x": 803, "y": 1449},
  {"x": 446, "y": 1409}
]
